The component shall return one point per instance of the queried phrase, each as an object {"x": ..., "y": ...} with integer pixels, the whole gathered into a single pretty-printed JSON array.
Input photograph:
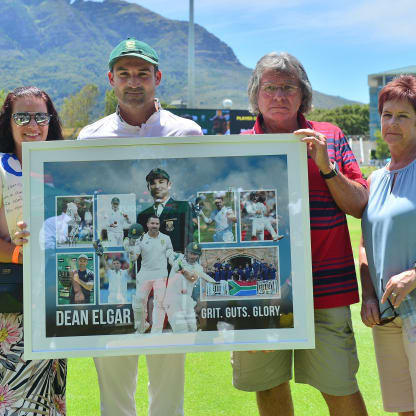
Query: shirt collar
[
  {"x": 158, "y": 106},
  {"x": 303, "y": 123}
]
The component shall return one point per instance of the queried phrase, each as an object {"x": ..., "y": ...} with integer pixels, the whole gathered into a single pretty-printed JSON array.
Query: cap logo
[
  {"x": 133, "y": 231},
  {"x": 130, "y": 44},
  {"x": 195, "y": 246}
]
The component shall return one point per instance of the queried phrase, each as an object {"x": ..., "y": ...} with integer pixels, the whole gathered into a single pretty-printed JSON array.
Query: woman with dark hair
[
  {"x": 29, "y": 388},
  {"x": 388, "y": 249}
]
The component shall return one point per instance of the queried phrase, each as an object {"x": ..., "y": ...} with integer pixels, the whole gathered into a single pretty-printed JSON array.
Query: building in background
[{"x": 375, "y": 83}]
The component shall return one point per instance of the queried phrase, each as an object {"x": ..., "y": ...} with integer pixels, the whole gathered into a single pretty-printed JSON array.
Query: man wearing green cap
[
  {"x": 116, "y": 222},
  {"x": 134, "y": 76}
]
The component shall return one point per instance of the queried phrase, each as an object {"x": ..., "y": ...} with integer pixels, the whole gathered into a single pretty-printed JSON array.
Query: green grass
[
  {"x": 208, "y": 388},
  {"x": 367, "y": 170}
]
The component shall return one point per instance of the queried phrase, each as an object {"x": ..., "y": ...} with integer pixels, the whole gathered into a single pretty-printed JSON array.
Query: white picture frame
[{"x": 261, "y": 308}]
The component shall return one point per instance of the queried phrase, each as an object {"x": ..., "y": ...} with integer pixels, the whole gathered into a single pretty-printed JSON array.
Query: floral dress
[{"x": 28, "y": 388}]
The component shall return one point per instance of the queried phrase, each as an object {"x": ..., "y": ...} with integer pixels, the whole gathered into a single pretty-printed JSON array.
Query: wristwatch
[{"x": 332, "y": 173}]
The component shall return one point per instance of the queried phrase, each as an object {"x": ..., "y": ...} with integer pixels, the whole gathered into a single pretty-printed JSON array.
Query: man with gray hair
[{"x": 280, "y": 94}]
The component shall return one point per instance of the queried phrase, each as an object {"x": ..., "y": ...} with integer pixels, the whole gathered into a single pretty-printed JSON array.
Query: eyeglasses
[
  {"x": 22, "y": 119},
  {"x": 389, "y": 317},
  {"x": 286, "y": 90}
]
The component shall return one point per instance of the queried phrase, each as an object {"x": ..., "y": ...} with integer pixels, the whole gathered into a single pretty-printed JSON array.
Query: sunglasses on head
[{"x": 22, "y": 119}]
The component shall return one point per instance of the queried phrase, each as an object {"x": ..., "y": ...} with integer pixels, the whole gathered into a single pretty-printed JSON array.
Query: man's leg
[
  {"x": 268, "y": 374},
  {"x": 119, "y": 239},
  {"x": 166, "y": 384},
  {"x": 276, "y": 401},
  {"x": 158, "y": 315},
  {"x": 117, "y": 378},
  {"x": 176, "y": 318},
  {"x": 268, "y": 226},
  {"x": 350, "y": 405},
  {"x": 139, "y": 303}
]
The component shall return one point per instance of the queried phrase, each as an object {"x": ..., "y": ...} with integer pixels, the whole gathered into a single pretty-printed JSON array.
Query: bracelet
[{"x": 15, "y": 255}]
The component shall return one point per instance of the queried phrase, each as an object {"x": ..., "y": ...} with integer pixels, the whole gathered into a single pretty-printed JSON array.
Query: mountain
[{"x": 61, "y": 46}]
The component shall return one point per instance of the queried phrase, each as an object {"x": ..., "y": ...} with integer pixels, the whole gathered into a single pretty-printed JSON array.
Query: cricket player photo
[
  {"x": 175, "y": 215},
  {"x": 75, "y": 279},
  {"x": 173, "y": 253},
  {"x": 217, "y": 218},
  {"x": 184, "y": 275},
  {"x": 154, "y": 249},
  {"x": 116, "y": 283},
  {"x": 258, "y": 213},
  {"x": 73, "y": 224},
  {"x": 115, "y": 215}
]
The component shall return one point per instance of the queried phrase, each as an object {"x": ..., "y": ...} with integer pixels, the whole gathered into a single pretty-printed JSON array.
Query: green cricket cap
[
  {"x": 157, "y": 173},
  {"x": 115, "y": 200},
  {"x": 194, "y": 248},
  {"x": 133, "y": 47},
  {"x": 135, "y": 231}
]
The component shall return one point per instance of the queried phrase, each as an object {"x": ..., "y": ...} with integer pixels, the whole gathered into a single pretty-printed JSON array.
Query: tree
[
  {"x": 3, "y": 94},
  {"x": 382, "y": 149},
  {"x": 110, "y": 102},
  {"x": 76, "y": 109},
  {"x": 351, "y": 119}
]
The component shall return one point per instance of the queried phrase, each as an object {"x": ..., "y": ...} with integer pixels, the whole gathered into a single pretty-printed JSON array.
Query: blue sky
[{"x": 339, "y": 42}]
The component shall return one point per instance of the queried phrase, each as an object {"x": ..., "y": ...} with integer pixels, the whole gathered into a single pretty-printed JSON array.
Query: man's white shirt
[
  {"x": 116, "y": 222},
  {"x": 155, "y": 252},
  {"x": 117, "y": 286},
  {"x": 221, "y": 219},
  {"x": 161, "y": 123}
]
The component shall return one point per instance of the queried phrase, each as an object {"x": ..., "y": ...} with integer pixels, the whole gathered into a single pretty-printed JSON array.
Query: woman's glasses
[{"x": 22, "y": 119}]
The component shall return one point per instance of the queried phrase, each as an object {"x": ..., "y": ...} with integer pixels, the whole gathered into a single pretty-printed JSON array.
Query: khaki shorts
[
  {"x": 331, "y": 367},
  {"x": 396, "y": 362}
]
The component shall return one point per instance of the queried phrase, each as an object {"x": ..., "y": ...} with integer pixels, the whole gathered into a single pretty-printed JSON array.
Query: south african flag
[{"x": 242, "y": 288}]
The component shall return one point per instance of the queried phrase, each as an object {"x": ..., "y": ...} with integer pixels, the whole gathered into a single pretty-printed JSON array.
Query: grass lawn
[{"x": 208, "y": 389}]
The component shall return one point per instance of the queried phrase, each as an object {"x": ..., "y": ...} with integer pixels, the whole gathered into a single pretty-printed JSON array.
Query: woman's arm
[
  {"x": 18, "y": 240},
  {"x": 370, "y": 314}
]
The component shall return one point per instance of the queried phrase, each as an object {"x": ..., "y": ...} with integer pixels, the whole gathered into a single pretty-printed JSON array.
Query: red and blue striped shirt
[{"x": 333, "y": 269}]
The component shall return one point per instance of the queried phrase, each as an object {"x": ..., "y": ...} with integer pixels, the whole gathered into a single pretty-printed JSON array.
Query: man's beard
[{"x": 139, "y": 98}]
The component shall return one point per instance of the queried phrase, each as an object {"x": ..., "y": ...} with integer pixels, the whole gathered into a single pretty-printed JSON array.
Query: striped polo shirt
[{"x": 333, "y": 269}]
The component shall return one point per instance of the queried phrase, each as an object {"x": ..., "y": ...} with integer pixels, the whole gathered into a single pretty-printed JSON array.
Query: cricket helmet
[
  {"x": 135, "y": 231},
  {"x": 194, "y": 248}
]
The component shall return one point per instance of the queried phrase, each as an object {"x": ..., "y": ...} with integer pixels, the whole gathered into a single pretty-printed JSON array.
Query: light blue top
[{"x": 389, "y": 225}]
